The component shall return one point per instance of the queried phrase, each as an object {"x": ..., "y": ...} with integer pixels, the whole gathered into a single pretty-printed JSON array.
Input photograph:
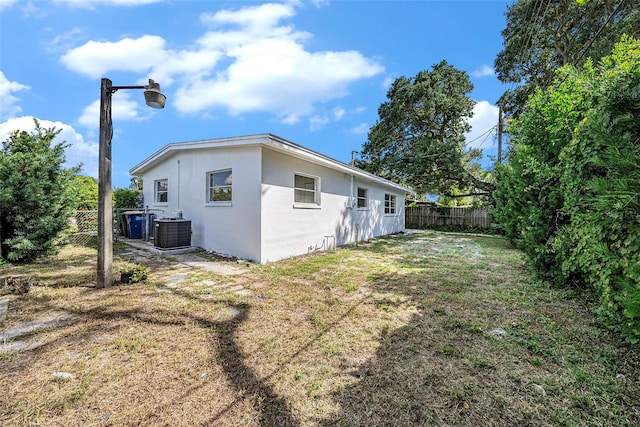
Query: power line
[
  {"x": 486, "y": 137},
  {"x": 485, "y": 134},
  {"x": 537, "y": 8},
  {"x": 595, "y": 36}
]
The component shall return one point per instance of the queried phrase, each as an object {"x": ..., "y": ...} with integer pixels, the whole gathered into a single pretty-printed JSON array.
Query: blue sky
[{"x": 312, "y": 72}]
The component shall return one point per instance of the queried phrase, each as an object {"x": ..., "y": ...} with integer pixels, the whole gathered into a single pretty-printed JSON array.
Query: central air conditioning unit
[{"x": 172, "y": 233}]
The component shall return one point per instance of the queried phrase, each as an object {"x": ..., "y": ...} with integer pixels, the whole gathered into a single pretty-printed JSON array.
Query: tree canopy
[
  {"x": 542, "y": 36},
  {"x": 419, "y": 138},
  {"x": 35, "y": 194}
]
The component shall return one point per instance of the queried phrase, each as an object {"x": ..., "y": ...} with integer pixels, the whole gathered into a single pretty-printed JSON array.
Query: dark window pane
[{"x": 305, "y": 182}]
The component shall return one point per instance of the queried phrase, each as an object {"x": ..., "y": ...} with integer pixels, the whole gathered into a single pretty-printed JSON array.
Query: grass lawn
[{"x": 420, "y": 329}]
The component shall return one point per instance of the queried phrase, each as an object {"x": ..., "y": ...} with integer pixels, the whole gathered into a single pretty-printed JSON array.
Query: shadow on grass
[
  {"x": 273, "y": 410},
  {"x": 444, "y": 367},
  {"x": 414, "y": 376},
  {"x": 437, "y": 369}
]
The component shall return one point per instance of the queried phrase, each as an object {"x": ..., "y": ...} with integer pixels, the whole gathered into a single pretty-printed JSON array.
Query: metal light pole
[{"x": 155, "y": 99}]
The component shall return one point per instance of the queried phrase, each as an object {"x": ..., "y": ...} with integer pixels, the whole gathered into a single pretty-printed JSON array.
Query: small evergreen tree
[{"x": 35, "y": 194}]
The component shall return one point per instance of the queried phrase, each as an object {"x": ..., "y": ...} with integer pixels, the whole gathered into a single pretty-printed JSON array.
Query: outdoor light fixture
[
  {"x": 154, "y": 99},
  {"x": 152, "y": 96}
]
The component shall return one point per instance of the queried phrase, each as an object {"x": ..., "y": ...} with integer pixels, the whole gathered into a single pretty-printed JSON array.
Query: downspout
[
  {"x": 354, "y": 203},
  {"x": 178, "y": 184},
  {"x": 351, "y": 198}
]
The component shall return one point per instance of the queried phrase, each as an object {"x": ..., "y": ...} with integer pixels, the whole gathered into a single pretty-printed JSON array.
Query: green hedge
[{"x": 569, "y": 195}]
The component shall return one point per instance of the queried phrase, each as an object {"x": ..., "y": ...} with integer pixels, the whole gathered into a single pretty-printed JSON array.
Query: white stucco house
[{"x": 263, "y": 198}]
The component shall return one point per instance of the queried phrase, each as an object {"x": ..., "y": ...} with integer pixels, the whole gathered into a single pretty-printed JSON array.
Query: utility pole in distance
[{"x": 353, "y": 157}]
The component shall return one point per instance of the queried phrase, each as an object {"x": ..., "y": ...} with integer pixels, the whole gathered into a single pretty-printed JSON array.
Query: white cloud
[
  {"x": 387, "y": 82},
  {"x": 266, "y": 66},
  {"x": 63, "y": 42},
  {"x": 79, "y": 151},
  {"x": 485, "y": 117},
  {"x": 338, "y": 113},
  {"x": 320, "y": 3},
  {"x": 361, "y": 129},
  {"x": 90, "y": 4},
  {"x": 96, "y": 59},
  {"x": 8, "y": 102},
  {"x": 32, "y": 11},
  {"x": 6, "y": 4},
  {"x": 483, "y": 71},
  {"x": 317, "y": 122},
  {"x": 184, "y": 65},
  {"x": 275, "y": 75},
  {"x": 123, "y": 108},
  {"x": 256, "y": 18}
]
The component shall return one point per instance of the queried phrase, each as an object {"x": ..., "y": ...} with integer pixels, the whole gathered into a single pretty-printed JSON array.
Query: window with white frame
[
  {"x": 389, "y": 204},
  {"x": 363, "y": 198},
  {"x": 219, "y": 186},
  {"x": 161, "y": 187},
  {"x": 306, "y": 189}
]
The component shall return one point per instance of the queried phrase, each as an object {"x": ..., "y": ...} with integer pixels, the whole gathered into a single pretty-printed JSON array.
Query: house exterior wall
[
  {"x": 290, "y": 229},
  {"x": 227, "y": 228},
  {"x": 372, "y": 220}
]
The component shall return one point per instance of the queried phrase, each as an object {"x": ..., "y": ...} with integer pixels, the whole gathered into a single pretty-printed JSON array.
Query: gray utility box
[{"x": 172, "y": 233}]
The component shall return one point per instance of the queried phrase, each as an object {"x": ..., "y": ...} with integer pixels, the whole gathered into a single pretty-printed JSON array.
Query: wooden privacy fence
[{"x": 437, "y": 216}]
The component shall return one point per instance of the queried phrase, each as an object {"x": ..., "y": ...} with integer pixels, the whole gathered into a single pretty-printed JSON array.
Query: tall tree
[
  {"x": 35, "y": 194},
  {"x": 419, "y": 137},
  {"x": 543, "y": 35},
  {"x": 135, "y": 183}
]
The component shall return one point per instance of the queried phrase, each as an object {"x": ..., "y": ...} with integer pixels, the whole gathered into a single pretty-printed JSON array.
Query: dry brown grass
[{"x": 394, "y": 332}]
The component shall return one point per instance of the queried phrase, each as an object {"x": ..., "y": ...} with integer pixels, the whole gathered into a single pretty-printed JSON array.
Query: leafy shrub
[
  {"x": 570, "y": 193},
  {"x": 528, "y": 195},
  {"x": 138, "y": 273},
  {"x": 86, "y": 192},
  {"x": 124, "y": 198}
]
